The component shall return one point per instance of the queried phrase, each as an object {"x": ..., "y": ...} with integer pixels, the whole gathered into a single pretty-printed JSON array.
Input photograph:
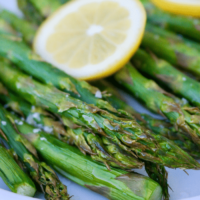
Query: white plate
[{"x": 185, "y": 187}]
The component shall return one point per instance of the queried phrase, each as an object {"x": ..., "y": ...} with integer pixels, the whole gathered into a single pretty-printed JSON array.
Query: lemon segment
[
  {"x": 91, "y": 39},
  {"x": 182, "y": 7}
]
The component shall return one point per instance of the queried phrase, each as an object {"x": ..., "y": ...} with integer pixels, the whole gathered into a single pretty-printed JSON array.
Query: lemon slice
[
  {"x": 91, "y": 39},
  {"x": 182, "y": 7}
]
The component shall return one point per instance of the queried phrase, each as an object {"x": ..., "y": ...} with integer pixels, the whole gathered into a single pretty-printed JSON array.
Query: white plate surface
[{"x": 185, "y": 187}]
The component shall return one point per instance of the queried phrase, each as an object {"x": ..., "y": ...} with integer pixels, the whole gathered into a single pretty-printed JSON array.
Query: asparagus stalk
[
  {"x": 126, "y": 133},
  {"x": 40, "y": 172},
  {"x": 115, "y": 184},
  {"x": 46, "y": 7},
  {"x": 160, "y": 127},
  {"x": 156, "y": 172},
  {"x": 187, "y": 26},
  {"x": 100, "y": 148},
  {"x": 171, "y": 36},
  {"x": 6, "y": 29},
  {"x": 126, "y": 159},
  {"x": 20, "y": 25},
  {"x": 46, "y": 73},
  {"x": 13, "y": 176},
  {"x": 30, "y": 13},
  {"x": 63, "y": 1},
  {"x": 146, "y": 90},
  {"x": 160, "y": 175},
  {"x": 176, "y": 53},
  {"x": 172, "y": 78}
]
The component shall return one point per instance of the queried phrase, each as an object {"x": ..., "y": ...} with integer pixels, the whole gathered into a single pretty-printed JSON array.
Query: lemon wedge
[
  {"x": 182, "y": 7},
  {"x": 91, "y": 39}
]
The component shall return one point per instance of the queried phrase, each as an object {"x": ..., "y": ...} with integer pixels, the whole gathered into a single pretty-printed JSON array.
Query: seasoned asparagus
[
  {"x": 100, "y": 148},
  {"x": 40, "y": 117},
  {"x": 159, "y": 101},
  {"x": 162, "y": 71},
  {"x": 156, "y": 172},
  {"x": 187, "y": 26},
  {"x": 176, "y": 53},
  {"x": 13, "y": 176},
  {"x": 126, "y": 133},
  {"x": 160, "y": 127},
  {"x": 17, "y": 51},
  {"x": 40, "y": 172},
  {"x": 67, "y": 160}
]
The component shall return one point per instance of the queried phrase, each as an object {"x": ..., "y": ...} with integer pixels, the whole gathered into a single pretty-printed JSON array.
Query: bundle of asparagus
[
  {"x": 40, "y": 172},
  {"x": 13, "y": 176},
  {"x": 146, "y": 90},
  {"x": 125, "y": 132},
  {"x": 155, "y": 171},
  {"x": 162, "y": 71},
  {"x": 118, "y": 133},
  {"x": 114, "y": 184},
  {"x": 160, "y": 127},
  {"x": 99, "y": 147},
  {"x": 184, "y": 54},
  {"x": 187, "y": 26}
]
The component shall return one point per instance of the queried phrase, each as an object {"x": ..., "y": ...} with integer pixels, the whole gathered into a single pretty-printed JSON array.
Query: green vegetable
[
  {"x": 159, "y": 101},
  {"x": 186, "y": 26},
  {"x": 40, "y": 172},
  {"x": 24, "y": 27},
  {"x": 22, "y": 55},
  {"x": 30, "y": 13},
  {"x": 162, "y": 71},
  {"x": 6, "y": 29},
  {"x": 71, "y": 163},
  {"x": 84, "y": 142},
  {"x": 13, "y": 176},
  {"x": 171, "y": 36},
  {"x": 99, "y": 147},
  {"x": 125, "y": 132},
  {"x": 160, "y": 127},
  {"x": 45, "y": 7},
  {"x": 176, "y": 53}
]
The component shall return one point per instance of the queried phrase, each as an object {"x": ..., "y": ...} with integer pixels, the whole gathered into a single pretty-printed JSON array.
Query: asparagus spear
[
  {"x": 13, "y": 176},
  {"x": 160, "y": 127},
  {"x": 177, "y": 53},
  {"x": 20, "y": 25},
  {"x": 171, "y": 36},
  {"x": 40, "y": 172},
  {"x": 156, "y": 172},
  {"x": 6, "y": 29},
  {"x": 100, "y": 148},
  {"x": 63, "y": 1},
  {"x": 115, "y": 184},
  {"x": 147, "y": 90},
  {"x": 186, "y": 26},
  {"x": 27, "y": 61},
  {"x": 30, "y": 13},
  {"x": 126, "y": 133},
  {"x": 172, "y": 78},
  {"x": 46, "y": 7},
  {"x": 126, "y": 159}
]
